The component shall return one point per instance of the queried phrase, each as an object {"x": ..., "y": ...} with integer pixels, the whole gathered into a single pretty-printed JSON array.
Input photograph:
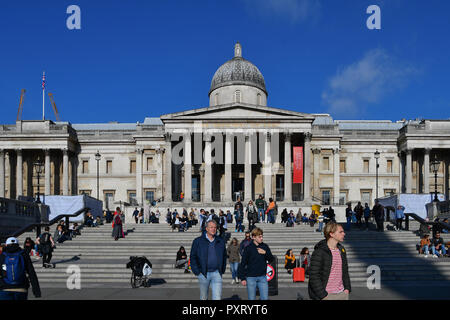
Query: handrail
[
  {"x": 423, "y": 221},
  {"x": 54, "y": 220}
]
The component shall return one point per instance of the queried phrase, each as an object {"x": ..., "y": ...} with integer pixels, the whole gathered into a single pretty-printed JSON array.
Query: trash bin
[{"x": 316, "y": 209}]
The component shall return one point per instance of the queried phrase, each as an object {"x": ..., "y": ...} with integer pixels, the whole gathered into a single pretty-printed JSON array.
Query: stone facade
[{"x": 236, "y": 146}]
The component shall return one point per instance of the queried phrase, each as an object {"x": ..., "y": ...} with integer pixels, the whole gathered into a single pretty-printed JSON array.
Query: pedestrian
[
  {"x": 367, "y": 215},
  {"x": 247, "y": 240},
  {"x": 252, "y": 215},
  {"x": 359, "y": 210},
  {"x": 209, "y": 261},
  {"x": 117, "y": 225},
  {"x": 182, "y": 260},
  {"x": 320, "y": 218},
  {"x": 348, "y": 215},
  {"x": 135, "y": 215},
  {"x": 399, "y": 216},
  {"x": 17, "y": 273},
  {"x": 329, "y": 278},
  {"x": 46, "y": 245},
  {"x": 271, "y": 211},
  {"x": 378, "y": 212},
  {"x": 260, "y": 204},
  {"x": 289, "y": 261},
  {"x": 305, "y": 260},
  {"x": 234, "y": 258},
  {"x": 253, "y": 269}
]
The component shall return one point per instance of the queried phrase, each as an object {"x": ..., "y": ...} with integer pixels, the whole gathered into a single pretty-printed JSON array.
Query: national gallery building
[{"x": 236, "y": 146}]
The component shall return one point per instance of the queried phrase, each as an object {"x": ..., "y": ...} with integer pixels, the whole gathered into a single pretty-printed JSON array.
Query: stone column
[
  {"x": 208, "y": 171},
  {"x": 316, "y": 172},
  {"x": 248, "y": 169},
  {"x": 159, "y": 173},
  {"x": 47, "y": 178},
  {"x": 426, "y": 171},
  {"x": 267, "y": 168},
  {"x": 228, "y": 169},
  {"x": 336, "y": 176},
  {"x": 65, "y": 172},
  {"x": 408, "y": 170},
  {"x": 2, "y": 173},
  {"x": 187, "y": 168},
  {"x": 287, "y": 168},
  {"x": 139, "y": 199},
  {"x": 168, "y": 169},
  {"x": 19, "y": 174},
  {"x": 401, "y": 169},
  {"x": 307, "y": 170}
]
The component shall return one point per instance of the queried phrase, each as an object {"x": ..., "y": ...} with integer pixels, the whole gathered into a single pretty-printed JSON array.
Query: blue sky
[{"x": 135, "y": 59}]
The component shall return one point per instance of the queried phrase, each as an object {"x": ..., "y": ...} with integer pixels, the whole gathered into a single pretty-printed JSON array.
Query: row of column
[
  {"x": 267, "y": 168},
  {"x": 139, "y": 174},
  {"x": 408, "y": 170},
  {"x": 19, "y": 172}
]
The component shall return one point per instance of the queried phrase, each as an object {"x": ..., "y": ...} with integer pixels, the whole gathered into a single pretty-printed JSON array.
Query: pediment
[{"x": 237, "y": 111}]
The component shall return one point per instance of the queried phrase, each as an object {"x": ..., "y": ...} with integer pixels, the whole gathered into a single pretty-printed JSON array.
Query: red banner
[{"x": 298, "y": 165}]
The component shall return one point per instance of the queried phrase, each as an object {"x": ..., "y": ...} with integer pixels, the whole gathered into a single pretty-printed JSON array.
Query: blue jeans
[
  {"x": 263, "y": 286},
  {"x": 261, "y": 215},
  {"x": 425, "y": 249},
  {"x": 320, "y": 226},
  {"x": 270, "y": 217},
  {"x": 434, "y": 251},
  {"x": 349, "y": 223},
  {"x": 6, "y": 295},
  {"x": 238, "y": 226},
  {"x": 234, "y": 269},
  {"x": 213, "y": 279}
]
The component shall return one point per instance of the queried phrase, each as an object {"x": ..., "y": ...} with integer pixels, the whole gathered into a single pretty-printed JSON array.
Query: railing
[{"x": 422, "y": 221}]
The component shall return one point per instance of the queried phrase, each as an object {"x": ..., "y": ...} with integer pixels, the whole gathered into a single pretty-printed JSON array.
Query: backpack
[
  {"x": 13, "y": 268},
  {"x": 45, "y": 243}
]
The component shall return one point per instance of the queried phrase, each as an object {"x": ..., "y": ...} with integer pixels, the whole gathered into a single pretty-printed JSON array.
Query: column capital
[
  {"x": 64, "y": 151},
  {"x": 428, "y": 150},
  {"x": 139, "y": 150},
  {"x": 207, "y": 137},
  {"x": 336, "y": 150},
  {"x": 19, "y": 151},
  {"x": 159, "y": 150},
  {"x": 287, "y": 135},
  {"x": 46, "y": 151},
  {"x": 167, "y": 136},
  {"x": 308, "y": 136},
  {"x": 316, "y": 150},
  {"x": 408, "y": 151},
  {"x": 268, "y": 136}
]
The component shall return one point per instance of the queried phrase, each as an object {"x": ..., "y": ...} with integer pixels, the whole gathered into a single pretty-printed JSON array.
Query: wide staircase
[{"x": 102, "y": 260}]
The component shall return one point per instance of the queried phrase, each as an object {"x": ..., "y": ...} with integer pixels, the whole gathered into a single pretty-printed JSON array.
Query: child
[
  {"x": 305, "y": 260},
  {"x": 424, "y": 245}
]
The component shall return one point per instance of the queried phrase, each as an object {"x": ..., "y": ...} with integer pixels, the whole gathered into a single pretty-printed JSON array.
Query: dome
[{"x": 238, "y": 71}]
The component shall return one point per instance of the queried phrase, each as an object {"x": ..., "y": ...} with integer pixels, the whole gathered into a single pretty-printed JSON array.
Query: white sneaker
[
  {"x": 425, "y": 256},
  {"x": 232, "y": 281},
  {"x": 435, "y": 256}
]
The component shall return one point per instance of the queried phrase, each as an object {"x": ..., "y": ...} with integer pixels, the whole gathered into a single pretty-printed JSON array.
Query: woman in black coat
[{"x": 323, "y": 271}]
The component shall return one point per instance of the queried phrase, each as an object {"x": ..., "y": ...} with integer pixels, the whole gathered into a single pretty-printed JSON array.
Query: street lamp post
[
  {"x": 377, "y": 156},
  {"x": 38, "y": 166},
  {"x": 97, "y": 158},
  {"x": 435, "y": 168}
]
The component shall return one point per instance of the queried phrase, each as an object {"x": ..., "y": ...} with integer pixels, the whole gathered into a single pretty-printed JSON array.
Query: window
[
  {"x": 366, "y": 166},
  {"x": 389, "y": 192},
  {"x": 342, "y": 168},
  {"x": 237, "y": 96},
  {"x": 108, "y": 166},
  {"x": 149, "y": 164},
  {"x": 149, "y": 196},
  {"x": 85, "y": 166},
  {"x": 132, "y": 197},
  {"x": 258, "y": 99},
  {"x": 326, "y": 197},
  {"x": 326, "y": 163},
  {"x": 132, "y": 166},
  {"x": 389, "y": 166},
  {"x": 366, "y": 197},
  {"x": 342, "y": 198},
  {"x": 109, "y": 199}
]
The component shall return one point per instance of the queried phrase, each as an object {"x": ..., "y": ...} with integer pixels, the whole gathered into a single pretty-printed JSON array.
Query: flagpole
[{"x": 43, "y": 96}]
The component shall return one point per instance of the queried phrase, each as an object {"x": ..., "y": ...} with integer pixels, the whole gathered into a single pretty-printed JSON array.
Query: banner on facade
[{"x": 298, "y": 165}]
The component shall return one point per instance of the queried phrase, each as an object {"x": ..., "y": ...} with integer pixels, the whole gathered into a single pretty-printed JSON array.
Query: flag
[
  {"x": 43, "y": 81},
  {"x": 298, "y": 165}
]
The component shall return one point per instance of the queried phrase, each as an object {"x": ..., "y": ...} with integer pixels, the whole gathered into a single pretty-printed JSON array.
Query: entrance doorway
[{"x": 238, "y": 188}]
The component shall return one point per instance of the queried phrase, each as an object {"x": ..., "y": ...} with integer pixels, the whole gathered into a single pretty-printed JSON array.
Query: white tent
[
  {"x": 413, "y": 203},
  {"x": 59, "y": 205}
]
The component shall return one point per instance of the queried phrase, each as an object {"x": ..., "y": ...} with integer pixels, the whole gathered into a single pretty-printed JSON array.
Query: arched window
[
  {"x": 237, "y": 96},
  {"x": 258, "y": 99}
]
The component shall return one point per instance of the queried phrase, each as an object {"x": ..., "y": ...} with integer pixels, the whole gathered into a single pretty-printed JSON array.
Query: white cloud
[
  {"x": 365, "y": 82},
  {"x": 294, "y": 10}
]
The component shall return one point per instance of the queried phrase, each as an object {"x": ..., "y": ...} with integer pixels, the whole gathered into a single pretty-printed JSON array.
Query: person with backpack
[
  {"x": 15, "y": 266},
  {"x": 135, "y": 215},
  {"x": 252, "y": 215},
  {"x": 46, "y": 245},
  {"x": 261, "y": 206}
]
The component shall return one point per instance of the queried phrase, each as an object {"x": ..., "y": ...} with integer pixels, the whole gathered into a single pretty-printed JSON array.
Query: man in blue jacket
[
  {"x": 253, "y": 268},
  {"x": 209, "y": 261}
]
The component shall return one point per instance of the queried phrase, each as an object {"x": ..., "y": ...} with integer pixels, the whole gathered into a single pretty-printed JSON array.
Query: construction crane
[
  {"x": 55, "y": 110},
  {"x": 19, "y": 112}
]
